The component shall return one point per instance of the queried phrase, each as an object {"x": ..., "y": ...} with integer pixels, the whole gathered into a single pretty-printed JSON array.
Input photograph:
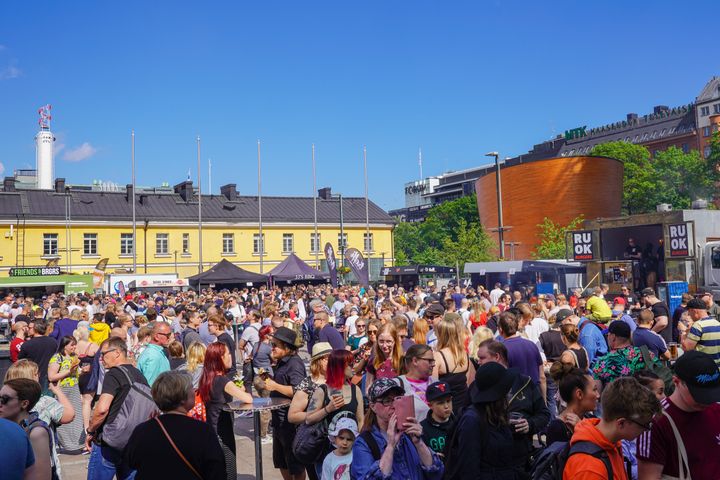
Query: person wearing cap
[
  {"x": 384, "y": 451},
  {"x": 433, "y": 314},
  {"x": 289, "y": 372},
  {"x": 440, "y": 420},
  {"x": 644, "y": 336},
  {"x": 660, "y": 311},
  {"x": 693, "y": 410},
  {"x": 482, "y": 445},
  {"x": 703, "y": 334},
  {"x": 623, "y": 359},
  {"x": 342, "y": 435},
  {"x": 619, "y": 313},
  {"x": 628, "y": 409}
]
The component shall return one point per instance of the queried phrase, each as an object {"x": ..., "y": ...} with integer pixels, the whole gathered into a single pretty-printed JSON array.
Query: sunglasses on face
[
  {"x": 5, "y": 399},
  {"x": 372, "y": 332},
  {"x": 647, "y": 426},
  {"x": 166, "y": 335},
  {"x": 102, "y": 354}
]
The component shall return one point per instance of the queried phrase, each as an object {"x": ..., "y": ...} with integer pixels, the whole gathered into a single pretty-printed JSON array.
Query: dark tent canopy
[
  {"x": 292, "y": 268},
  {"x": 226, "y": 273}
]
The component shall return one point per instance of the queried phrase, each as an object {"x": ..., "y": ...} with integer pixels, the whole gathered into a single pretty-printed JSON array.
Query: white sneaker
[{"x": 266, "y": 440}]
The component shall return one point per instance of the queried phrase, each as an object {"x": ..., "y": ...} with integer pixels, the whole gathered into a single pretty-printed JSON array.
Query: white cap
[{"x": 344, "y": 423}]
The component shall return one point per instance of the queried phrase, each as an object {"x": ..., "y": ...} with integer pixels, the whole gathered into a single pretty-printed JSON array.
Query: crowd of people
[{"x": 384, "y": 382}]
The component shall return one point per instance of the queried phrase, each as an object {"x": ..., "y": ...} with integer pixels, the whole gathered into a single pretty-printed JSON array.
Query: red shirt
[
  {"x": 15, "y": 348},
  {"x": 700, "y": 432}
]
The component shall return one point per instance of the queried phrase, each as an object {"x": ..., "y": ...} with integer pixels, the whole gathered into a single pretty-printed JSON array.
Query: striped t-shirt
[{"x": 706, "y": 333}]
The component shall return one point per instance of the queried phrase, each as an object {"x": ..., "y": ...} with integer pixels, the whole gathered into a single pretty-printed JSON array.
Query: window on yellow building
[
  {"x": 342, "y": 241},
  {"x": 161, "y": 243},
  {"x": 126, "y": 244},
  {"x": 90, "y": 244},
  {"x": 50, "y": 244},
  {"x": 314, "y": 242},
  {"x": 228, "y": 243},
  {"x": 186, "y": 243},
  {"x": 368, "y": 242},
  {"x": 287, "y": 243},
  {"x": 256, "y": 243}
]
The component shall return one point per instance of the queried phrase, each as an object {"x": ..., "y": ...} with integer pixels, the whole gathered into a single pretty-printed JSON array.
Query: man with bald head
[{"x": 153, "y": 361}]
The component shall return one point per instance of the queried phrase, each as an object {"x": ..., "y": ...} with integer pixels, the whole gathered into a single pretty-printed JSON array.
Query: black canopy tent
[
  {"x": 226, "y": 274},
  {"x": 293, "y": 269}
]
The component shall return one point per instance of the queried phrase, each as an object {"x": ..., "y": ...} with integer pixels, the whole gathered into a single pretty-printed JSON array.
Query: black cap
[
  {"x": 228, "y": 316},
  {"x": 434, "y": 310},
  {"x": 620, "y": 329},
  {"x": 696, "y": 304},
  {"x": 562, "y": 314},
  {"x": 701, "y": 375},
  {"x": 647, "y": 292},
  {"x": 437, "y": 390},
  {"x": 286, "y": 336}
]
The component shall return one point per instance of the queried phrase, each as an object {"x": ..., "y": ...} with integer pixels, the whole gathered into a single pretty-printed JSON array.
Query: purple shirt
[
  {"x": 525, "y": 356},
  {"x": 330, "y": 334},
  {"x": 63, "y": 328}
]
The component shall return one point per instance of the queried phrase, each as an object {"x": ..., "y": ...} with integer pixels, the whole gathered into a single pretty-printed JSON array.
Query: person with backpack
[
  {"x": 577, "y": 388},
  {"x": 591, "y": 336},
  {"x": 481, "y": 445},
  {"x": 387, "y": 450},
  {"x": 17, "y": 400},
  {"x": 125, "y": 402},
  {"x": 595, "y": 451}
]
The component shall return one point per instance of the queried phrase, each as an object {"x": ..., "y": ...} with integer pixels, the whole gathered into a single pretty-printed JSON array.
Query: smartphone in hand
[{"x": 404, "y": 409}]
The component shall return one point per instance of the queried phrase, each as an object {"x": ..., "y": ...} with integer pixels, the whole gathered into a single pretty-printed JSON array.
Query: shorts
[{"x": 283, "y": 457}]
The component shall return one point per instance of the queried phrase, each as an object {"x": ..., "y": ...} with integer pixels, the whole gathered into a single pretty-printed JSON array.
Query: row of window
[
  {"x": 705, "y": 111},
  {"x": 90, "y": 243}
]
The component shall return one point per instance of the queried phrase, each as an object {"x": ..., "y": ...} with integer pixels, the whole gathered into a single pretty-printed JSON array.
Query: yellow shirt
[
  {"x": 598, "y": 307},
  {"x": 99, "y": 332}
]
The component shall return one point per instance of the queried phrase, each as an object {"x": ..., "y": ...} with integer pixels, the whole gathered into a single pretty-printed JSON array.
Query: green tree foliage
[
  {"x": 673, "y": 176},
  {"x": 451, "y": 233},
  {"x": 552, "y": 238}
]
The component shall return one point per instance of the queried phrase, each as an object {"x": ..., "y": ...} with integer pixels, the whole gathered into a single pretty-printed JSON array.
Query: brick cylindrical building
[{"x": 559, "y": 188}]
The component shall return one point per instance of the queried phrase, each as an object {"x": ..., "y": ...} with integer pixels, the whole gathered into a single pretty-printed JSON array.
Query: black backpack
[
  {"x": 311, "y": 442},
  {"x": 550, "y": 463}
]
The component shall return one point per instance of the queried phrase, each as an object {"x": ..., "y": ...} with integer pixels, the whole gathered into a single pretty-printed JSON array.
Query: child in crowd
[
  {"x": 437, "y": 425},
  {"x": 336, "y": 465}
]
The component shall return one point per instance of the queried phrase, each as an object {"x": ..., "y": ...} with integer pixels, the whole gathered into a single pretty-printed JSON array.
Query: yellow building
[{"x": 79, "y": 227}]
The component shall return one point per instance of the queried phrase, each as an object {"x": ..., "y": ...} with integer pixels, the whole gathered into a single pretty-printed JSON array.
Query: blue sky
[{"x": 456, "y": 78}]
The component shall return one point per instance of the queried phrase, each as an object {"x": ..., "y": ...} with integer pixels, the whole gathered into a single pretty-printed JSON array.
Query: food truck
[{"x": 650, "y": 250}]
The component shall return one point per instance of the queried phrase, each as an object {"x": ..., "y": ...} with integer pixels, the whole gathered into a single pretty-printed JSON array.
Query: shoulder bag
[
  {"x": 177, "y": 450},
  {"x": 683, "y": 464}
]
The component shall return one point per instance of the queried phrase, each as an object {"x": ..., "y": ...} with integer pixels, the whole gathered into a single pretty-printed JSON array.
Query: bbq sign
[
  {"x": 679, "y": 240},
  {"x": 582, "y": 245}
]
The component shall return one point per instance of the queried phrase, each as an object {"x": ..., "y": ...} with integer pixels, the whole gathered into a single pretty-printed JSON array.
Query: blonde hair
[
  {"x": 396, "y": 355},
  {"x": 23, "y": 368},
  {"x": 481, "y": 334},
  {"x": 450, "y": 335},
  {"x": 81, "y": 333},
  {"x": 195, "y": 356}
]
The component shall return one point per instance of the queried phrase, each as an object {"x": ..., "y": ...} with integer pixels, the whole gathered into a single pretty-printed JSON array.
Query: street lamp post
[{"x": 499, "y": 202}]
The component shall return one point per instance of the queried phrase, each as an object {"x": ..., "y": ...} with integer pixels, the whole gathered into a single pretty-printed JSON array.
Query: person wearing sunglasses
[
  {"x": 360, "y": 336},
  {"x": 153, "y": 361},
  {"x": 17, "y": 400}
]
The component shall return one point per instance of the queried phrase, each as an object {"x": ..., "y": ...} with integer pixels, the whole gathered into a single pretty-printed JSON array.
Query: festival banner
[
  {"x": 358, "y": 265},
  {"x": 99, "y": 273},
  {"x": 332, "y": 263}
]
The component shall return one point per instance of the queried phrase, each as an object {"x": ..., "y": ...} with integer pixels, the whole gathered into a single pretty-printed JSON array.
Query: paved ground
[{"x": 74, "y": 467}]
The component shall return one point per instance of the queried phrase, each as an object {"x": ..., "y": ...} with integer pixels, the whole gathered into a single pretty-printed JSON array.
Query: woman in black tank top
[
  {"x": 575, "y": 355},
  {"x": 451, "y": 343}
]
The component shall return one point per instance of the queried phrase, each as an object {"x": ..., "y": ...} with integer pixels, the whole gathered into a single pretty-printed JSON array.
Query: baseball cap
[
  {"x": 550, "y": 296},
  {"x": 437, "y": 390},
  {"x": 382, "y": 386},
  {"x": 619, "y": 301},
  {"x": 647, "y": 292},
  {"x": 344, "y": 423},
  {"x": 701, "y": 375},
  {"x": 697, "y": 304},
  {"x": 562, "y": 314},
  {"x": 434, "y": 310},
  {"x": 620, "y": 329}
]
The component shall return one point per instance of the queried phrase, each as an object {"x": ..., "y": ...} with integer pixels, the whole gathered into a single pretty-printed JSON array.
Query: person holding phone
[{"x": 383, "y": 450}]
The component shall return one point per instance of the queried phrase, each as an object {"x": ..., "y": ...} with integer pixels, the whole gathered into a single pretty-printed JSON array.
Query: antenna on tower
[{"x": 420, "y": 162}]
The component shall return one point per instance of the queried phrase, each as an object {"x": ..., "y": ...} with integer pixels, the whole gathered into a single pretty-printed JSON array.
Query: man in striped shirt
[{"x": 704, "y": 333}]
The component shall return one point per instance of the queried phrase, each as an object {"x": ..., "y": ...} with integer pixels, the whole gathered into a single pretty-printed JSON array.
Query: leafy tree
[
  {"x": 472, "y": 245},
  {"x": 450, "y": 225},
  {"x": 552, "y": 238},
  {"x": 639, "y": 181}
]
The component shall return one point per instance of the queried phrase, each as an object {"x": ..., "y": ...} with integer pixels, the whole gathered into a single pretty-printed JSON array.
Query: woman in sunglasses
[{"x": 17, "y": 398}]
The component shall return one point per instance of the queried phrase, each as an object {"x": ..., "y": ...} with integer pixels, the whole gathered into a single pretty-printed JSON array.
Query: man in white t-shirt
[
  {"x": 495, "y": 293},
  {"x": 351, "y": 316}
]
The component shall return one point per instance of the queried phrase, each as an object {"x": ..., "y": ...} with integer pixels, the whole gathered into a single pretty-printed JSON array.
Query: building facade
[
  {"x": 708, "y": 114},
  {"x": 78, "y": 228}
]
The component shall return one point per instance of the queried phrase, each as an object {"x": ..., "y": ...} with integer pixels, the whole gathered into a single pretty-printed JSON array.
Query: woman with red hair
[
  {"x": 216, "y": 390},
  {"x": 344, "y": 396}
]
